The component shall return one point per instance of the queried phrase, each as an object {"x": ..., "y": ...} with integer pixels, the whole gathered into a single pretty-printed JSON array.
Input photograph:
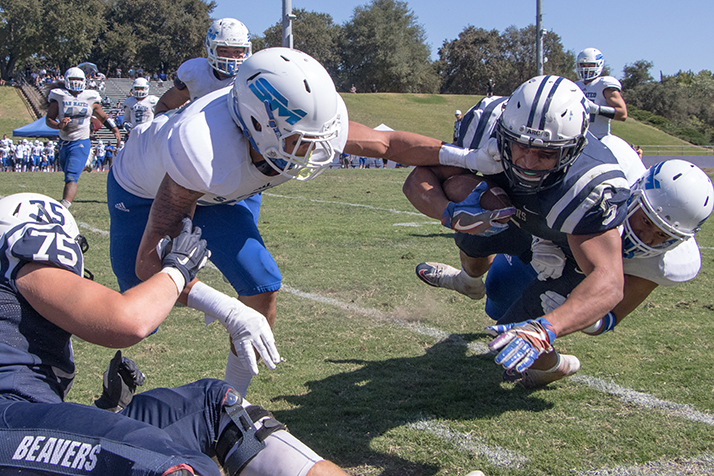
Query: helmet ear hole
[{"x": 256, "y": 124}]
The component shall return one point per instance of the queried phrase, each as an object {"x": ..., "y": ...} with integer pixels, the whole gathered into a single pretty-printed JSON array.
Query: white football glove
[
  {"x": 247, "y": 327},
  {"x": 548, "y": 259},
  {"x": 486, "y": 159}
]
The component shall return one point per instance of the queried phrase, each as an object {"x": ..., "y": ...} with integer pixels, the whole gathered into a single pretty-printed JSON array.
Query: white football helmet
[
  {"x": 74, "y": 80},
  {"x": 227, "y": 32},
  {"x": 677, "y": 196},
  {"x": 23, "y": 208},
  {"x": 278, "y": 93},
  {"x": 140, "y": 88},
  {"x": 589, "y": 56},
  {"x": 546, "y": 112}
]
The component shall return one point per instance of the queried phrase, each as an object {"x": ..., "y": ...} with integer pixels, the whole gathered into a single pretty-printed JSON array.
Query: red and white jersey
[
  {"x": 139, "y": 111},
  {"x": 200, "y": 148},
  {"x": 595, "y": 91},
  {"x": 198, "y": 76},
  {"x": 78, "y": 108}
]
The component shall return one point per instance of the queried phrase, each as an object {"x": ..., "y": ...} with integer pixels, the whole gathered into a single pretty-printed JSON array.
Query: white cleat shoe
[
  {"x": 442, "y": 275},
  {"x": 531, "y": 378}
]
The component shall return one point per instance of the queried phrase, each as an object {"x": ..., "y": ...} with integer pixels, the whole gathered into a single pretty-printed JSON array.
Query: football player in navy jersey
[
  {"x": 669, "y": 203},
  {"x": 567, "y": 188},
  {"x": 44, "y": 301}
]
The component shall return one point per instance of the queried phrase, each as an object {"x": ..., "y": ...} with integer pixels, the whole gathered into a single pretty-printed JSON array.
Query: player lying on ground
[
  {"x": 44, "y": 300},
  {"x": 281, "y": 120},
  {"x": 667, "y": 207}
]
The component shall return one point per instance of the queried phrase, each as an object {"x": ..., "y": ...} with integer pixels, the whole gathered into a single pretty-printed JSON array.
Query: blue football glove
[
  {"x": 468, "y": 216},
  {"x": 187, "y": 252},
  {"x": 523, "y": 344}
]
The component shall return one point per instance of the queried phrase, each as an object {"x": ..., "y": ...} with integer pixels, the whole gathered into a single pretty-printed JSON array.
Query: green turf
[{"x": 358, "y": 381}]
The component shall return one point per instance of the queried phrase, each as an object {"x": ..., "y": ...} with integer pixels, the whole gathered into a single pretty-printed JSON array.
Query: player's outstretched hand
[
  {"x": 249, "y": 329},
  {"x": 468, "y": 216},
  {"x": 187, "y": 252},
  {"x": 120, "y": 381},
  {"x": 523, "y": 344}
]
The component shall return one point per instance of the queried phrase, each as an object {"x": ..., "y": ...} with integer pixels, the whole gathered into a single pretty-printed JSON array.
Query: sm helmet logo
[{"x": 266, "y": 92}]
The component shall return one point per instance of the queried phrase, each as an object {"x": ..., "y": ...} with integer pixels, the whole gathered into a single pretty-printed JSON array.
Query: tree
[
  {"x": 636, "y": 74},
  {"x": 69, "y": 30},
  {"x": 20, "y": 22},
  {"x": 477, "y": 55},
  {"x": 313, "y": 33},
  {"x": 153, "y": 34},
  {"x": 467, "y": 63},
  {"x": 382, "y": 44}
]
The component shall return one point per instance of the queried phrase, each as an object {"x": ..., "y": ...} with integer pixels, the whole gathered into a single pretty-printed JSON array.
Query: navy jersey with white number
[{"x": 36, "y": 361}]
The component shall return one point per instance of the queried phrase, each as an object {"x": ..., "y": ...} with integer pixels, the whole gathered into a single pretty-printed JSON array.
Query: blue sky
[{"x": 673, "y": 35}]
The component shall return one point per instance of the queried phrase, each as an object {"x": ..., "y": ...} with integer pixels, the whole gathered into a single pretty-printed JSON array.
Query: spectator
[
  {"x": 639, "y": 151},
  {"x": 491, "y": 84},
  {"x": 374, "y": 88},
  {"x": 457, "y": 125},
  {"x": 353, "y": 89},
  {"x": 118, "y": 72}
]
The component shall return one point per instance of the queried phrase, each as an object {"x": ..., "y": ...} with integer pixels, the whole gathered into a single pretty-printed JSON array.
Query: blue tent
[{"x": 36, "y": 129}]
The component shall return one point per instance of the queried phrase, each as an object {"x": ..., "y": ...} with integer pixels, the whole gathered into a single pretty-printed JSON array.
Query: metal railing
[{"x": 684, "y": 149}]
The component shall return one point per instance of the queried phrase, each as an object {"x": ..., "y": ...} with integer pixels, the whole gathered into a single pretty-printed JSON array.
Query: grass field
[{"x": 385, "y": 375}]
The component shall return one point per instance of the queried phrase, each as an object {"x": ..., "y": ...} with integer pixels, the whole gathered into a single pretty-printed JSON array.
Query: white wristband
[
  {"x": 214, "y": 304},
  {"x": 452, "y": 155},
  {"x": 594, "y": 329},
  {"x": 176, "y": 275}
]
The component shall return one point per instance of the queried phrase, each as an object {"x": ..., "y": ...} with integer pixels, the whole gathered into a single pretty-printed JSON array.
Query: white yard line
[
  {"x": 471, "y": 444},
  {"x": 702, "y": 465},
  {"x": 391, "y": 210},
  {"x": 644, "y": 400}
]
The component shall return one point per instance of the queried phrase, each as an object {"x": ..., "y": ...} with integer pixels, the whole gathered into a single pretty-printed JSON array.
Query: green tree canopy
[
  {"x": 467, "y": 63},
  {"x": 313, "y": 33},
  {"x": 153, "y": 34},
  {"x": 20, "y": 23},
  {"x": 384, "y": 45}
]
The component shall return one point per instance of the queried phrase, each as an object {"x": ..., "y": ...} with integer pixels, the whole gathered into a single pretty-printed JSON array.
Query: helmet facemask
[
  {"x": 595, "y": 61},
  {"x": 75, "y": 80},
  {"x": 533, "y": 181},
  {"x": 229, "y": 33}
]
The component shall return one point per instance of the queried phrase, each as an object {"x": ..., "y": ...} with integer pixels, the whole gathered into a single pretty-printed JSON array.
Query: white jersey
[
  {"x": 675, "y": 266},
  {"x": 20, "y": 151},
  {"x": 680, "y": 264},
  {"x": 99, "y": 151},
  {"x": 139, "y": 111},
  {"x": 200, "y": 148},
  {"x": 78, "y": 108},
  {"x": 37, "y": 150},
  {"x": 595, "y": 91},
  {"x": 198, "y": 76}
]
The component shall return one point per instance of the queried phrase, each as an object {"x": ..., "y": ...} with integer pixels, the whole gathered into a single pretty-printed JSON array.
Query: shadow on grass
[{"x": 343, "y": 413}]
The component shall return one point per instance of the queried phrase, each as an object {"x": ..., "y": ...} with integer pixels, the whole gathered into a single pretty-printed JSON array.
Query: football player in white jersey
[
  {"x": 668, "y": 204},
  {"x": 70, "y": 111},
  {"x": 282, "y": 120},
  {"x": 99, "y": 154},
  {"x": 604, "y": 92},
  {"x": 227, "y": 46},
  {"x": 139, "y": 107}
]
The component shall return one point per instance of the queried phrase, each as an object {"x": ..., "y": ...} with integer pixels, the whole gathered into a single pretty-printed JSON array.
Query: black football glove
[
  {"x": 187, "y": 252},
  {"x": 120, "y": 381}
]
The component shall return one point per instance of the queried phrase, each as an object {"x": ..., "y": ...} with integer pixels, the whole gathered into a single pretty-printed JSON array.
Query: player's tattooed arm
[{"x": 172, "y": 203}]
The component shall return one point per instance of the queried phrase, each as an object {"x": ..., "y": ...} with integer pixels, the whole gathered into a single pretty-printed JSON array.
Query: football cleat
[
  {"x": 442, "y": 275},
  {"x": 531, "y": 378}
]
